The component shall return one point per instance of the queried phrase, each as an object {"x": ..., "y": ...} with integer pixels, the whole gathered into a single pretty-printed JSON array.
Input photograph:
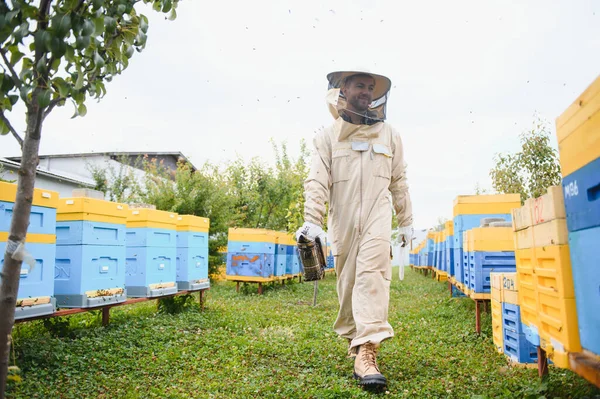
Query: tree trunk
[{"x": 11, "y": 271}]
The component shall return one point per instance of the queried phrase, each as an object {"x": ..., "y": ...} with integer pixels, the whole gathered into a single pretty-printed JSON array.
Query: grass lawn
[{"x": 274, "y": 346}]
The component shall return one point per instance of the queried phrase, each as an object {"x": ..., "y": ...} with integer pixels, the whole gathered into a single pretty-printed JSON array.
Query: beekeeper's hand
[
  {"x": 311, "y": 231},
  {"x": 404, "y": 235}
]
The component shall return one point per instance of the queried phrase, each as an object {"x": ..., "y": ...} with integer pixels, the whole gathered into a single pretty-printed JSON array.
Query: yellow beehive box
[
  {"x": 41, "y": 197},
  {"x": 522, "y": 217},
  {"x": 431, "y": 235},
  {"x": 251, "y": 235},
  {"x": 553, "y": 273},
  {"x": 527, "y": 294},
  {"x": 551, "y": 233},
  {"x": 151, "y": 218},
  {"x": 497, "y": 328},
  {"x": 510, "y": 288},
  {"x": 91, "y": 209},
  {"x": 496, "y": 289},
  {"x": 578, "y": 130},
  {"x": 193, "y": 223},
  {"x": 486, "y": 204},
  {"x": 559, "y": 357},
  {"x": 493, "y": 239},
  {"x": 449, "y": 228},
  {"x": 549, "y": 206},
  {"x": 558, "y": 322}
]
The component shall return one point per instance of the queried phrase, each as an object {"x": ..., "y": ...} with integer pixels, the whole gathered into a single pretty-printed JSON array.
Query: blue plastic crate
[
  {"x": 531, "y": 334},
  {"x": 429, "y": 259},
  {"x": 192, "y": 265},
  {"x": 442, "y": 265},
  {"x": 463, "y": 223},
  {"x": 481, "y": 264},
  {"x": 149, "y": 265},
  {"x": 511, "y": 318},
  {"x": 89, "y": 233},
  {"x": 458, "y": 265},
  {"x": 39, "y": 280},
  {"x": 41, "y": 221},
  {"x": 191, "y": 239},
  {"x": 517, "y": 348},
  {"x": 297, "y": 263},
  {"x": 83, "y": 268},
  {"x": 250, "y": 265},
  {"x": 585, "y": 263},
  {"x": 582, "y": 197},
  {"x": 251, "y": 247},
  {"x": 449, "y": 259},
  {"x": 150, "y": 237}
]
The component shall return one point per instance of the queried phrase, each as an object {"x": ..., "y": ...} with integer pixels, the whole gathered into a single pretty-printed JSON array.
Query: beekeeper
[{"x": 356, "y": 163}]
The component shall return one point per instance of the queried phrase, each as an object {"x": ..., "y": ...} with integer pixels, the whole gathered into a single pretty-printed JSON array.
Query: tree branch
[
  {"x": 13, "y": 73},
  {"x": 51, "y": 106},
  {"x": 11, "y": 128}
]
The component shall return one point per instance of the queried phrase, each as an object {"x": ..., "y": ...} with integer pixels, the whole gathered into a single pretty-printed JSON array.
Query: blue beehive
[
  {"x": 192, "y": 253},
  {"x": 151, "y": 253},
  {"x": 582, "y": 197},
  {"x": 585, "y": 262},
  {"x": 516, "y": 345},
  {"x": 457, "y": 260},
  {"x": 491, "y": 249},
  {"x": 251, "y": 253},
  {"x": 90, "y": 253},
  {"x": 36, "y": 285}
]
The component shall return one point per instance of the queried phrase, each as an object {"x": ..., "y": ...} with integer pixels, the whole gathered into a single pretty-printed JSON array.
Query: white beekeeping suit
[{"x": 356, "y": 163}]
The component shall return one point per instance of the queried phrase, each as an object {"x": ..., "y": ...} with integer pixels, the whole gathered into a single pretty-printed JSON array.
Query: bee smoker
[{"x": 312, "y": 257}]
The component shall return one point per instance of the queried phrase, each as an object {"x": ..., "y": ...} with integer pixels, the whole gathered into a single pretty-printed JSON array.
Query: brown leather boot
[{"x": 366, "y": 370}]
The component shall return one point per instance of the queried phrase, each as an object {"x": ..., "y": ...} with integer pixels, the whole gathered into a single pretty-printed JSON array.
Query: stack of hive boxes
[
  {"x": 546, "y": 294},
  {"x": 192, "y": 253},
  {"x": 449, "y": 248},
  {"x": 251, "y": 253},
  {"x": 515, "y": 344},
  {"x": 90, "y": 252},
  {"x": 151, "y": 253},
  {"x": 430, "y": 249},
  {"x": 468, "y": 211},
  {"x": 578, "y": 131},
  {"x": 36, "y": 285},
  {"x": 488, "y": 249},
  {"x": 280, "y": 253}
]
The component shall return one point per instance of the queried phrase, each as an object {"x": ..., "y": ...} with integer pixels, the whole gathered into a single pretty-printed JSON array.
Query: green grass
[{"x": 275, "y": 346}]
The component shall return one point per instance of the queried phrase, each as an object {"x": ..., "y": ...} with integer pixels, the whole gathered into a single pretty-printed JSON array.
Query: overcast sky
[{"x": 225, "y": 77}]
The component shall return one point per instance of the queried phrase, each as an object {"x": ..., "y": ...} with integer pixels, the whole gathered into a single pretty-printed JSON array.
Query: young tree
[
  {"x": 63, "y": 50},
  {"x": 530, "y": 171}
]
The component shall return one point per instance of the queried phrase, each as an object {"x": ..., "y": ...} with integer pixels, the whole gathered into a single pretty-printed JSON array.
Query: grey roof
[
  {"x": 7, "y": 162},
  {"x": 175, "y": 154}
]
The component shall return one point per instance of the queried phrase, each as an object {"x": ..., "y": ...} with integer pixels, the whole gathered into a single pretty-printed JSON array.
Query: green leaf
[
  {"x": 15, "y": 55},
  {"x": 61, "y": 24},
  {"x": 6, "y": 83},
  {"x": 121, "y": 9},
  {"x": 167, "y": 6},
  {"x": 82, "y": 110},
  {"x": 63, "y": 87},
  {"x": 42, "y": 66},
  {"x": 44, "y": 98},
  {"x": 83, "y": 42},
  {"x": 24, "y": 93},
  {"x": 13, "y": 99},
  {"x": 70, "y": 53},
  {"x": 157, "y": 6},
  {"x": 96, "y": 4},
  {"x": 3, "y": 128},
  {"x": 98, "y": 61},
  {"x": 99, "y": 25},
  {"x": 144, "y": 23},
  {"x": 173, "y": 15},
  {"x": 79, "y": 82},
  {"x": 128, "y": 51},
  {"x": 88, "y": 28}
]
